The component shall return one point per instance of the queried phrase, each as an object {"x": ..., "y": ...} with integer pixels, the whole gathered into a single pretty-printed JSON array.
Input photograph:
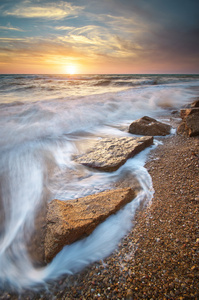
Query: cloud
[
  {"x": 56, "y": 11},
  {"x": 64, "y": 28},
  {"x": 9, "y": 27},
  {"x": 114, "y": 31},
  {"x": 41, "y": 48},
  {"x": 6, "y": 40}
]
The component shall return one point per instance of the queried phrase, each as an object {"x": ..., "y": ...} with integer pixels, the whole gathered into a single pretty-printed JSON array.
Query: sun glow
[{"x": 72, "y": 69}]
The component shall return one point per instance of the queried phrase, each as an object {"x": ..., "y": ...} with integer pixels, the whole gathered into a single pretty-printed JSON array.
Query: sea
[{"x": 47, "y": 119}]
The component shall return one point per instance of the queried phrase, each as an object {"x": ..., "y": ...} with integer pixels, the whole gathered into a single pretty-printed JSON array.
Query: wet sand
[{"x": 159, "y": 258}]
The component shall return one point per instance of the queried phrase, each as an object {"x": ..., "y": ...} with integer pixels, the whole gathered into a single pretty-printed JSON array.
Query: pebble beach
[{"x": 158, "y": 259}]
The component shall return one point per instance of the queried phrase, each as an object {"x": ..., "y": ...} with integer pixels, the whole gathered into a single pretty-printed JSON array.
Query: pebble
[
  {"x": 129, "y": 295},
  {"x": 158, "y": 258}
]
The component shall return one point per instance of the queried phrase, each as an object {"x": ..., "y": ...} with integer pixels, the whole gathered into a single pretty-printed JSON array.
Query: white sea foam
[{"x": 38, "y": 137}]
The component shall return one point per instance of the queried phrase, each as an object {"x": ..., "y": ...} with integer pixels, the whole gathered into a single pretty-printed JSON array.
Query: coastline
[{"x": 158, "y": 258}]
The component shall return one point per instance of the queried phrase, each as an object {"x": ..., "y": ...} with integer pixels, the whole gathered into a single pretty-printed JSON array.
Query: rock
[
  {"x": 192, "y": 105},
  {"x": 181, "y": 129},
  {"x": 149, "y": 126},
  {"x": 184, "y": 113},
  {"x": 174, "y": 112},
  {"x": 195, "y": 103},
  {"x": 68, "y": 221},
  {"x": 108, "y": 154},
  {"x": 190, "y": 122}
]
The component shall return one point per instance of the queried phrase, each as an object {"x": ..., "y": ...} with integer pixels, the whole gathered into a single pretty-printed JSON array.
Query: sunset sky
[{"x": 99, "y": 36}]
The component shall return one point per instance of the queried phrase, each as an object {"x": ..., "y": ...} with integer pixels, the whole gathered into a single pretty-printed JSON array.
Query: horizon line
[{"x": 73, "y": 75}]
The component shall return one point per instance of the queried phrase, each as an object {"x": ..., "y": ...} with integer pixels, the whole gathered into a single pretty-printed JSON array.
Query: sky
[{"x": 99, "y": 36}]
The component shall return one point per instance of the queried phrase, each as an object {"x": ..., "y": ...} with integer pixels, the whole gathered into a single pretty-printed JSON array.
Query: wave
[
  {"x": 15, "y": 103},
  {"x": 83, "y": 84},
  {"x": 37, "y": 142},
  {"x": 65, "y": 115},
  {"x": 103, "y": 83}
]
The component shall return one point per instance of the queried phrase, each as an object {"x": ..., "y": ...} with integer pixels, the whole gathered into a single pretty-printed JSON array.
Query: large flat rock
[
  {"x": 68, "y": 221},
  {"x": 108, "y": 154}
]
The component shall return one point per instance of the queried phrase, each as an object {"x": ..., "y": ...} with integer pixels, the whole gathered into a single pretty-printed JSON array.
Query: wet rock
[
  {"x": 190, "y": 122},
  {"x": 195, "y": 103},
  {"x": 149, "y": 126},
  {"x": 68, "y": 221},
  {"x": 108, "y": 154},
  {"x": 184, "y": 113},
  {"x": 174, "y": 112}
]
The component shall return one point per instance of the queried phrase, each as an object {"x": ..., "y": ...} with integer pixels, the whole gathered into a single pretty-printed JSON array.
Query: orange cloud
[{"x": 54, "y": 11}]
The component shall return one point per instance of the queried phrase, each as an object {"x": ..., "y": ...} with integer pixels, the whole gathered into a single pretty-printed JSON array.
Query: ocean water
[{"x": 44, "y": 121}]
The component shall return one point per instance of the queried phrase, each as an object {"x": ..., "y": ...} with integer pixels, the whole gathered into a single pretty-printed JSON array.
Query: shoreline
[{"x": 158, "y": 257}]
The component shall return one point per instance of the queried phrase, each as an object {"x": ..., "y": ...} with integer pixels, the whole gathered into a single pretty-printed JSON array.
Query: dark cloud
[{"x": 173, "y": 27}]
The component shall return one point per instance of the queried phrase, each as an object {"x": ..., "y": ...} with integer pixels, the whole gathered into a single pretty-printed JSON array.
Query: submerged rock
[
  {"x": 68, "y": 221},
  {"x": 149, "y": 126},
  {"x": 190, "y": 122},
  {"x": 108, "y": 154}
]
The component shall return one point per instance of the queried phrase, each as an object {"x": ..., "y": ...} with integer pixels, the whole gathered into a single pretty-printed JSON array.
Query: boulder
[
  {"x": 108, "y": 154},
  {"x": 68, "y": 221},
  {"x": 149, "y": 126},
  {"x": 190, "y": 122}
]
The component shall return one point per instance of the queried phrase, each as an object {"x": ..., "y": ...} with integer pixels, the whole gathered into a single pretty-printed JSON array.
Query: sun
[{"x": 71, "y": 69}]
